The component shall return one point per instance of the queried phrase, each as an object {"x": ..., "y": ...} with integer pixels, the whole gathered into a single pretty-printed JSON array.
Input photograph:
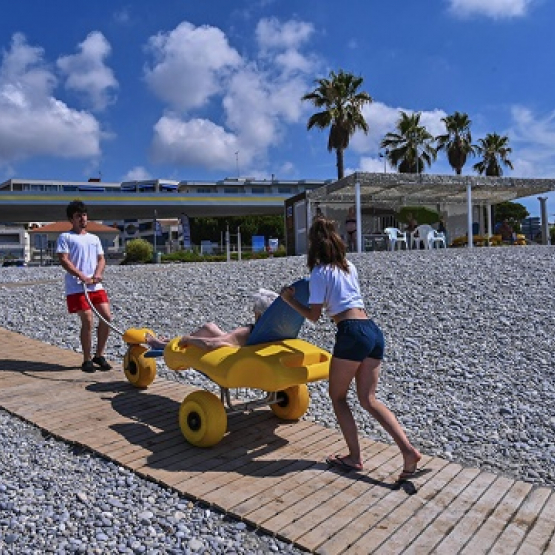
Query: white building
[{"x": 14, "y": 243}]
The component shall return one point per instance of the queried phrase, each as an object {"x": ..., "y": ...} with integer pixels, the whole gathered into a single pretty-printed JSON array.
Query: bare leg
[
  {"x": 86, "y": 332},
  {"x": 341, "y": 375},
  {"x": 208, "y": 330},
  {"x": 103, "y": 328},
  {"x": 367, "y": 382}
]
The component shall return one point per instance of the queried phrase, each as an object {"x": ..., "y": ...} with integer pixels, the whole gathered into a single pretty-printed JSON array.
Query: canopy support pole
[
  {"x": 546, "y": 239},
  {"x": 358, "y": 210},
  {"x": 469, "y": 214},
  {"x": 490, "y": 222}
]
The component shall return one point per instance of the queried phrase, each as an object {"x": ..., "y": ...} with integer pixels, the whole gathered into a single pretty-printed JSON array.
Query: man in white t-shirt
[{"x": 81, "y": 255}]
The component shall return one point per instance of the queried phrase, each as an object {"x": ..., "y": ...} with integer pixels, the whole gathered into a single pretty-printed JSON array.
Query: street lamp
[{"x": 384, "y": 156}]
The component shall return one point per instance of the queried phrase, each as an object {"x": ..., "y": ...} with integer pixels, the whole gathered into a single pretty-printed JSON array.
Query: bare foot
[
  {"x": 183, "y": 343},
  {"x": 154, "y": 342},
  {"x": 410, "y": 465}
]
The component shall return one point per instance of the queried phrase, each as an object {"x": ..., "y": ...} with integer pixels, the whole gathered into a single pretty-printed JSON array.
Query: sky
[{"x": 193, "y": 90}]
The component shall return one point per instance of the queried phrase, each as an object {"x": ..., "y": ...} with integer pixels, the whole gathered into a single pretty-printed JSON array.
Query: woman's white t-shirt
[
  {"x": 83, "y": 251},
  {"x": 335, "y": 289}
]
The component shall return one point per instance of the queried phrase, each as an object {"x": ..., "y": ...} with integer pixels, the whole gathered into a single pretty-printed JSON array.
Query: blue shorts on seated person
[{"x": 358, "y": 339}]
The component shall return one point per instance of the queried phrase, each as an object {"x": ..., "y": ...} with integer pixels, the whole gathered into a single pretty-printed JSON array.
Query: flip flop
[
  {"x": 407, "y": 475},
  {"x": 339, "y": 462}
]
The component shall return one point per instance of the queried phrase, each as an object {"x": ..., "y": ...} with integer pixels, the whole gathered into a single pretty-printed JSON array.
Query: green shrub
[
  {"x": 183, "y": 256},
  {"x": 186, "y": 256},
  {"x": 421, "y": 214},
  {"x": 138, "y": 250}
]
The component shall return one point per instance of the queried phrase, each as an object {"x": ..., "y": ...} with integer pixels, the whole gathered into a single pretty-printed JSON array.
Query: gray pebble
[{"x": 469, "y": 371}]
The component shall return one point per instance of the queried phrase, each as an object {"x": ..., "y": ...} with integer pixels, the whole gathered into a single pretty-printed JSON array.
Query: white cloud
[
  {"x": 138, "y": 173},
  {"x": 374, "y": 165},
  {"x": 256, "y": 106},
  {"x": 198, "y": 142},
  {"x": 87, "y": 74},
  {"x": 258, "y": 97},
  {"x": 190, "y": 65},
  {"x": 122, "y": 16},
  {"x": 496, "y": 9},
  {"x": 532, "y": 139},
  {"x": 34, "y": 122},
  {"x": 382, "y": 119},
  {"x": 272, "y": 34}
]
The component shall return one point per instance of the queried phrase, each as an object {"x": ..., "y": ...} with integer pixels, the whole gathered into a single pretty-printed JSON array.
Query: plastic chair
[
  {"x": 420, "y": 235},
  {"x": 395, "y": 236},
  {"x": 435, "y": 238}
]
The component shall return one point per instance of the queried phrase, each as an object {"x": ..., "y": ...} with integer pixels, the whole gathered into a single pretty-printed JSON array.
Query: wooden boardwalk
[{"x": 270, "y": 473}]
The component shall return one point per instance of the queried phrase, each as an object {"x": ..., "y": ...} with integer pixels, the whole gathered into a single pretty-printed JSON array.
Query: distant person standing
[
  {"x": 442, "y": 228},
  {"x": 506, "y": 232},
  {"x": 410, "y": 228},
  {"x": 351, "y": 229},
  {"x": 81, "y": 255},
  {"x": 412, "y": 224}
]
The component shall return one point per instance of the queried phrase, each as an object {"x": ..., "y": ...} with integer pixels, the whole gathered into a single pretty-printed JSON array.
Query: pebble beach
[{"x": 469, "y": 371}]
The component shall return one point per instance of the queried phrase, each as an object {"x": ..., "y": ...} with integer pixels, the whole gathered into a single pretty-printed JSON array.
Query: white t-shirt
[
  {"x": 335, "y": 289},
  {"x": 83, "y": 251}
]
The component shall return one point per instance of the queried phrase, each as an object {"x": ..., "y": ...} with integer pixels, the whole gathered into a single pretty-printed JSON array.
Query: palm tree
[
  {"x": 342, "y": 104},
  {"x": 495, "y": 150},
  {"x": 411, "y": 148},
  {"x": 457, "y": 142}
]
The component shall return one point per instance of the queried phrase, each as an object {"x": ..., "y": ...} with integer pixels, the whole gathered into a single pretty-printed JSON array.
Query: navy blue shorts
[{"x": 358, "y": 339}]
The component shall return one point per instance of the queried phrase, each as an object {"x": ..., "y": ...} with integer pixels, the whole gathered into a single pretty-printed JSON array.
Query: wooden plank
[
  {"x": 185, "y": 456},
  {"x": 243, "y": 461},
  {"x": 203, "y": 463},
  {"x": 415, "y": 515},
  {"x": 279, "y": 467},
  {"x": 540, "y": 537},
  {"x": 170, "y": 435},
  {"x": 394, "y": 510},
  {"x": 512, "y": 536},
  {"x": 315, "y": 527},
  {"x": 379, "y": 507},
  {"x": 433, "y": 533},
  {"x": 484, "y": 538},
  {"x": 371, "y": 487},
  {"x": 145, "y": 441},
  {"x": 476, "y": 515},
  {"x": 313, "y": 487},
  {"x": 269, "y": 485}
]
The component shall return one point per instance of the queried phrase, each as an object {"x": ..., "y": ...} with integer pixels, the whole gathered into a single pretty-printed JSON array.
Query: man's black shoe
[
  {"x": 88, "y": 367},
  {"x": 102, "y": 362}
]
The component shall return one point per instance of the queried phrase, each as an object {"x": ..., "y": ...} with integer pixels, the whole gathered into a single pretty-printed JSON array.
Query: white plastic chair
[
  {"x": 435, "y": 238},
  {"x": 420, "y": 235},
  {"x": 395, "y": 237}
]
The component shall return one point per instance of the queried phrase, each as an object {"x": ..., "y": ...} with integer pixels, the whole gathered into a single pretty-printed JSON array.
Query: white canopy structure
[{"x": 395, "y": 190}]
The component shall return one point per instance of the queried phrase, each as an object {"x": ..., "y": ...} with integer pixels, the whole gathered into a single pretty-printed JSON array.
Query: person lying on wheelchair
[{"x": 210, "y": 336}]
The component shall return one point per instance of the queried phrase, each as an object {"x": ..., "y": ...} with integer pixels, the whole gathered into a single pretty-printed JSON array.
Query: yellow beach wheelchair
[{"x": 273, "y": 361}]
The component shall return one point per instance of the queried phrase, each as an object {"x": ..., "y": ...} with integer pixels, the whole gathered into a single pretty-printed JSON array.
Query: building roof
[
  {"x": 60, "y": 227},
  {"x": 393, "y": 190}
]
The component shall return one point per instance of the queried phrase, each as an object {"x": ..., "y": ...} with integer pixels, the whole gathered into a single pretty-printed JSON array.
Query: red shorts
[{"x": 78, "y": 302}]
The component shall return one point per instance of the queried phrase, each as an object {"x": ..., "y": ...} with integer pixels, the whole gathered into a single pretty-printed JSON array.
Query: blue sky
[{"x": 203, "y": 90}]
